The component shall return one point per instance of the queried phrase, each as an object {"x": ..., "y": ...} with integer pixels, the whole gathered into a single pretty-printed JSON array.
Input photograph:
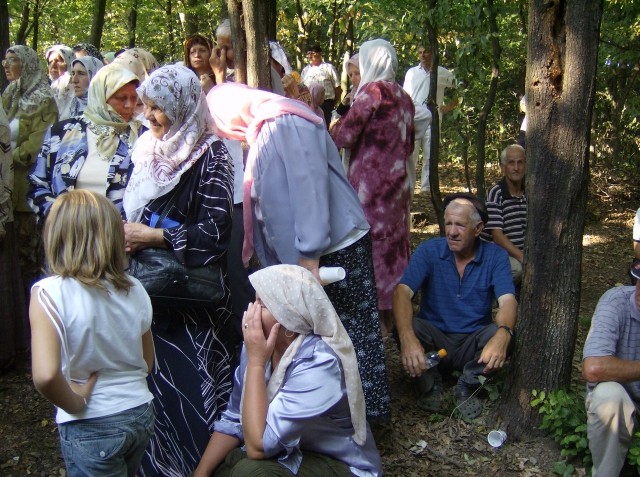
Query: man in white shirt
[
  {"x": 416, "y": 84},
  {"x": 319, "y": 71}
]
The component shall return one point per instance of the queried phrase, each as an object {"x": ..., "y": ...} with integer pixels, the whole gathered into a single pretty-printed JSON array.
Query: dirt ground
[{"x": 418, "y": 443}]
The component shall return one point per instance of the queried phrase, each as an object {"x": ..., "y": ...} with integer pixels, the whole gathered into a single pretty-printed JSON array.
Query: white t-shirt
[
  {"x": 636, "y": 227},
  {"x": 101, "y": 332},
  {"x": 325, "y": 74}
]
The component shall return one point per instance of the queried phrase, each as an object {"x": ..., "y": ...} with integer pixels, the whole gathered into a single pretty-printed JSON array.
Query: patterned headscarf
[
  {"x": 90, "y": 49},
  {"x": 104, "y": 121},
  {"x": 6, "y": 172},
  {"x": 27, "y": 94},
  {"x": 139, "y": 61},
  {"x": 378, "y": 62},
  {"x": 159, "y": 163},
  {"x": 238, "y": 113},
  {"x": 78, "y": 104},
  {"x": 298, "y": 302}
]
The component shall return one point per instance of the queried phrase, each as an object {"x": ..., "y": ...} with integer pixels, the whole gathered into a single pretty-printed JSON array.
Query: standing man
[
  {"x": 416, "y": 84},
  {"x": 611, "y": 366},
  {"x": 318, "y": 71},
  {"x": 458, "y": 277},
  {"x": 507, "y": 207}
]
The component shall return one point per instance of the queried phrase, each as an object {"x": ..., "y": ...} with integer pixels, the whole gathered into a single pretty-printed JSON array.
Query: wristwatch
[{"x": 509, "y": 330}]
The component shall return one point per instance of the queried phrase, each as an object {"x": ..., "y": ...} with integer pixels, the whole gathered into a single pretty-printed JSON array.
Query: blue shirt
[
  {"x": 310, "y": 412},
  {"x": 451, "y": 303}
]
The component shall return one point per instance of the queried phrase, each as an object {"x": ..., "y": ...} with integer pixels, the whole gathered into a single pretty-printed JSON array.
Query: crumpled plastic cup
[{"x": 496, "y": 438}]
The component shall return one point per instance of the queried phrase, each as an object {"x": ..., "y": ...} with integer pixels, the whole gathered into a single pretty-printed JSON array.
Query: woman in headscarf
[
  {"x": 378, "y": 129},
  {"x": 197, "y": 51},
  {"x": 14, "y": 334},
  {"x": 30, "y": 107},
  {"x": 297, "y": 402},
  {"x": 87, "y": 49},
  {"x": 300, "y": 209},
  {"x": 353, "y": 72},
  {"x": 195, "y": 346},
  {"x": 139, "y": 61},
  {"x": 91, "y": 151},
  {"x": 59, "y": 58},
  {"x": 83, "y": 70}
]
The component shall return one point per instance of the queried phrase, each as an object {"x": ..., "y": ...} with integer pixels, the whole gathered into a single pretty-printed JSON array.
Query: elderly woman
[
  {"x": 378, "y": 168},
  {"x": 83, "y": 70},
  {"x": 30, "y": 107},
  {"x": 197, "y": 51},
  {"x": 13, "y": 317},
  {"x": 299, "y": 209},
  {"x": 92, "y": 151},
  {"x": 59, "y": 58},
  {"x": 297, "y": 403},
  {"x": 192, "y": 378}
]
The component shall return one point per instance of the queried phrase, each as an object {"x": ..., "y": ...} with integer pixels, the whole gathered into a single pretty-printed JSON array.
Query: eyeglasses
[{"x": 10, "y": 61}]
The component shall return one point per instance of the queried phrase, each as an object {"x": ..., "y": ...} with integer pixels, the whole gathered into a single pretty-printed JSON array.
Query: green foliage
[{"x": 564, "y": 417}]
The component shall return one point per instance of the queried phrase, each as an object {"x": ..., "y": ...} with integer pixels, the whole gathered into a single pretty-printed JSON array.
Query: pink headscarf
[{"x": 238, "y": 113}]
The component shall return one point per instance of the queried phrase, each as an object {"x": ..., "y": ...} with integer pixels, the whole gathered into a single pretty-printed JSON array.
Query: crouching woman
[{"x": 297, "y": 406}]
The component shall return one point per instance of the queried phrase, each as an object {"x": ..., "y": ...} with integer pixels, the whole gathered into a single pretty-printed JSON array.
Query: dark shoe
[
  {"x": 468, "y": 405},
  {"x": 430, "y": 391}
]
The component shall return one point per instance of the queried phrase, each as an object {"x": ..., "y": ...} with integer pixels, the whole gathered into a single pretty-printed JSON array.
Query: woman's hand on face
[
  {"x": 138, "y": 236},
  {"x": 258, "y": 347}
]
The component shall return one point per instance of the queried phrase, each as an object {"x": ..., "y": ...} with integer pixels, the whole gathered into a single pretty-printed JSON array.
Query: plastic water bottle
[{"x": 433, "y": 358}]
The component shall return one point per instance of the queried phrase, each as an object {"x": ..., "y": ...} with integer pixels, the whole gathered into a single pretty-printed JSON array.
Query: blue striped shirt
[{"x": 615, "y": 331}]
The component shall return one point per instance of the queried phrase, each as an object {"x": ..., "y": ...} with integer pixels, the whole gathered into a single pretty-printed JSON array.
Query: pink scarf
[{"x": 238, "y": 113}]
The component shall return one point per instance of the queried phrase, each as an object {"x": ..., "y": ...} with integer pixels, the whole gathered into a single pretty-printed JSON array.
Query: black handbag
[{"x": 171, "y": 283}]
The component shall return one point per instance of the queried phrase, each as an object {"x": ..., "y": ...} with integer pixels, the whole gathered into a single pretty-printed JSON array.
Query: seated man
[
  {"x": 458, "y": 276},
  {"x": 507, "y": 207},
  {"x": 611, "y": 366}
]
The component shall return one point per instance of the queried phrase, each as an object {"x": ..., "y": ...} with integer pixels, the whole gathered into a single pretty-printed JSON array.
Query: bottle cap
[{"x": 442, "y": 353}]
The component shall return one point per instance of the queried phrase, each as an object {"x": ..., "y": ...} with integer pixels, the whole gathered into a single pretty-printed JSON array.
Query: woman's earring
[{"x": 287, "y": 335}]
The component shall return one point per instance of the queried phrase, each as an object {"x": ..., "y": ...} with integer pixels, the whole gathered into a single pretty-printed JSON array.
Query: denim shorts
[{"x": 110, "y": 446}]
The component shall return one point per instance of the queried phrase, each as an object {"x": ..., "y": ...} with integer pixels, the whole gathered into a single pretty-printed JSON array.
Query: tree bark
[
  {"x": 23, "y": 30},
  {"x": 302, "y": 33},
  {"x": 481, "y": 134},
  {"x": 238, "y": 40},
  {"x": 99, "y": 8},
  {"x": 258, "y": 64},
  {"x": 561, "y": 71},
  {"x": 4, "y": 38},
  {"x": 132, "y": 23},
  {"x": 272, "y": 19}
]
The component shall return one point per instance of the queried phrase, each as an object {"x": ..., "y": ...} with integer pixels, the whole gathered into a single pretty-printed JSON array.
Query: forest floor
[{"x": 419, "y": 443}]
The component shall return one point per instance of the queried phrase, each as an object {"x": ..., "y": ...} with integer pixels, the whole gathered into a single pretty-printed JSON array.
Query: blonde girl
[{"x": 91, "y": 341}]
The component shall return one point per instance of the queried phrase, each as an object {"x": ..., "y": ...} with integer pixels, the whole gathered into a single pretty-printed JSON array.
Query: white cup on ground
[
  {"x": 331, "y": 274},
  {"x": 496, "y": 438}
]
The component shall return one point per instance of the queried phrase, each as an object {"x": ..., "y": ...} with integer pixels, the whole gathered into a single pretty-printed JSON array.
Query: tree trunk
[
  {"x": 191, "y": 18},
  {"x": 434, "y": 178},
  {"x": 272, "y": 19},
  {"x": 36, "y": 25},
  {"x": 258, "y": 64},
  {"x": 481, "y": 134},
  {"x": 561, "y": 72},
  {"x": 238, "y": 40},
  {"x": 4, "y": 38},
  {"x": 302, "y": 33},
  {"x": 132, "y": 23},
  {"x": 23, "y": 30},
  {"x": 99, "y": 8}
]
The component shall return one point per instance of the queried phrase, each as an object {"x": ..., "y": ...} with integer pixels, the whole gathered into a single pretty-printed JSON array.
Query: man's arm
[
  {"x": 610, "y": 368},
  {"x": 494, "y": 353},
  {"x": 501, "y": 239},
  {"x": 412, "y": 352}
]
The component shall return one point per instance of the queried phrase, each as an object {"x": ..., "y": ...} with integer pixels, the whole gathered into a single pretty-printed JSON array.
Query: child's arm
[
  {"x": 148, "y": 350},
  {"x": 46, "y": 366}
]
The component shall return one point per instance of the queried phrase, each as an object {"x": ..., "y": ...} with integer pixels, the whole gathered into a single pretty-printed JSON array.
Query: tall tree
[
  {"x": 560, "y": 88},
  {"x": 99, "y": 9},
  {"x": 238, "y": 39},
  {"x": 132, "y": 23},
  {"x": 258, "y": 65},
  {"x": 4, "y": 38}
]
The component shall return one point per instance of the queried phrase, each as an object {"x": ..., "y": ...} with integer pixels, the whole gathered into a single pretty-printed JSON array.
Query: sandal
[
  {"x": 469, "y": 406},
  {"x": 430, "y": 385}
]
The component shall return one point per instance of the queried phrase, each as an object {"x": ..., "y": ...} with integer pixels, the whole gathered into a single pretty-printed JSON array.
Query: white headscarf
[
  {"x": 79, "y": 103},
  {"x": 378, "y": 62},
  {"x": 299, "y": 303},
  {"x": 159, "y": 163},
  {"x": 62, "y": 90},
  {"x": 278, "y": 54}
]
